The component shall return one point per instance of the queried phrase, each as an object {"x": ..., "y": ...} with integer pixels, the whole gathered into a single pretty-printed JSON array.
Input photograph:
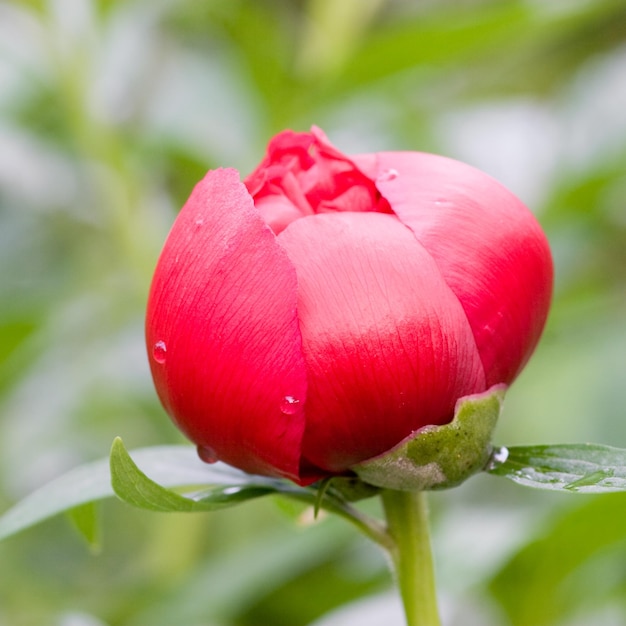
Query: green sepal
[
  {"x": 439, "y": 457},
  {"x": 351, "y": 488}
]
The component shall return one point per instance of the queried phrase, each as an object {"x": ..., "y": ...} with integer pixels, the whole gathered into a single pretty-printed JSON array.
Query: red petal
[
  {"x": 486, "y": 243},
  {"x": 387, "y": 346},
  {"x": 303, "y": 174},
  {"x": 222, "y": 313}
]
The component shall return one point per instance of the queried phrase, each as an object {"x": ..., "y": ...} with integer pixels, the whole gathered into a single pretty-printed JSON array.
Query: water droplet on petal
[
  {"x": 207, "y": 454},
  {"x": 159, "y": 351},
  {"x": 289, "y": 405},
  {"x": 199, "y": 222},
  {"x": 387, "y": 175}
]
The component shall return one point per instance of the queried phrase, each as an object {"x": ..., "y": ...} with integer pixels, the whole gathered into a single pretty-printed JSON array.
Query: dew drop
[
  {"x": 289, "y": 405},
  {"x": 498, "y": 456},
  {"x": 159, "y": 351},
  {"x": 199, "y": 222},
  {"x": 387, "y": 175},
  {"x": 207, "y": 454}
]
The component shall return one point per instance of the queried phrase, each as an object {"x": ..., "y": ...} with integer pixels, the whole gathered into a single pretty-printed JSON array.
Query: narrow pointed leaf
[
  {"x": 134, "y": 487},
  {"x": 80, "y": 485},
  {"x": 84, "y": 518},
  {"x": 170, "y": 466},
  {"x": 576, "y": 468}
]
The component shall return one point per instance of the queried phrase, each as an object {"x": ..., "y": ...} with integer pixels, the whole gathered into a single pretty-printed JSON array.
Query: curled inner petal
[{"x": 303, "y": 174}]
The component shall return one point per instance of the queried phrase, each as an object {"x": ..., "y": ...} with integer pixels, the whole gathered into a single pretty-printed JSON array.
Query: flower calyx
[{"x": 439, "y": 457}]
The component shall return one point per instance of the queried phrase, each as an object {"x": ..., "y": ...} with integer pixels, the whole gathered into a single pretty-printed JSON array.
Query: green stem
[
  {"x": 407, "y": 519},
  {"x": 369, "y": 526}
]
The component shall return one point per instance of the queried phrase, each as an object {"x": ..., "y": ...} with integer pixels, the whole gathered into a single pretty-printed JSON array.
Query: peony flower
[{"x": 322, "y": 311}]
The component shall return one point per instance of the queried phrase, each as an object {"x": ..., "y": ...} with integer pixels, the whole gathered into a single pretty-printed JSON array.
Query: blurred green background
[{"x": 110, "y": 111}]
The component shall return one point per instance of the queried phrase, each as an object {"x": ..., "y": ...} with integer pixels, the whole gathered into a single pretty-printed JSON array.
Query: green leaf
[
  {"x": 199, "y": 487},
  {"x": 84, "y": 517},
  {"x": 436, "y": 40},
  {"x": 86, "y": 483},
  {"x": 134, "y": 487},
  {"x": 572, "y": 562},
  {"x": 170, "y": 466},
  {"x": 581, "y": 468}
]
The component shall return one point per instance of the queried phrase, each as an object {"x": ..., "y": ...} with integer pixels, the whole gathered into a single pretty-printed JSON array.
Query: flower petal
[
  {"x": 302, "y": 174},
  {"x": 387, "y": 345},
  {"x": 486, "y": 243},
  {"x": 223, "y": 323}
]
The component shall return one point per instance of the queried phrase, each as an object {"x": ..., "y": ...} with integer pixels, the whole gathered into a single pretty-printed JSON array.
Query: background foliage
[{"x": 111, "y": 110}]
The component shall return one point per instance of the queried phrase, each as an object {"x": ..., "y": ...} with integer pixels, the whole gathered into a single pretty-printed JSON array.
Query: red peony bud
[{"x": 314, "y": 316}]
